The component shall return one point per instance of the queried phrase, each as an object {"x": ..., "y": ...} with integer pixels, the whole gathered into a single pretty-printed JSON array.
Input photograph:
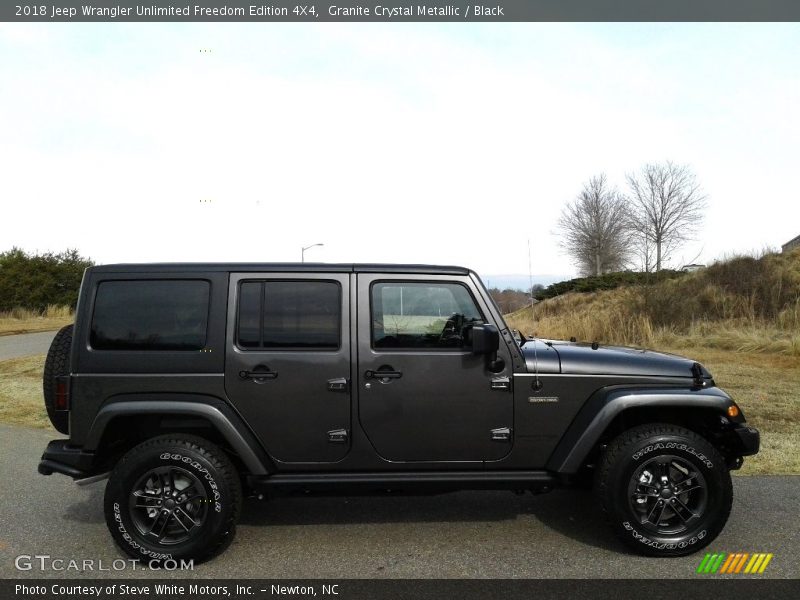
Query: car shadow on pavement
[
  {"x": 90, "y": 508},
  {"x": 572, "y": 513}
]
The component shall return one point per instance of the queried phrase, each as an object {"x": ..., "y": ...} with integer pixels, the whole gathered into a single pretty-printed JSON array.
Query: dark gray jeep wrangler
[{"x": 193, "y": 384}]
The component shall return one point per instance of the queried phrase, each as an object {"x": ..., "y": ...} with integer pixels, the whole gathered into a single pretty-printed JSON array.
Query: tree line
[
  {"x": 606, "y": 230},
  {"x": 509, "y": 300},
  {"x": 36, "y": 281}
]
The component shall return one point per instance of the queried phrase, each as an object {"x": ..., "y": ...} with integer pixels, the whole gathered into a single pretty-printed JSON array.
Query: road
[
  {"x": 26, "y": 344},
  {"x": 467, "y": 534}
]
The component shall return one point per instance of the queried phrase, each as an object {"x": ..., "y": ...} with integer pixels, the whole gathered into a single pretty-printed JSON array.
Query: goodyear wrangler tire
[
  {"x": 55, "y": 365},
  {"x": 664, "y": 490},
  {"x": 173, "y": 497}
]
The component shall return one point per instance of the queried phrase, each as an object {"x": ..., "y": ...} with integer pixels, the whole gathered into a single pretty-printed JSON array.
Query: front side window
[
  {"x": 289, "y": 314},
  {"x": 422, "y": 315},
  {"x": 150, "y": 315}
]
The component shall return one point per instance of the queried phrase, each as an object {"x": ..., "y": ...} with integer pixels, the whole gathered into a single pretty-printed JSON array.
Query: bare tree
[
  {"x": 666, "y": 210},
  {"x": 593, "y": 228},
  {"x": 642, "y": 246}
]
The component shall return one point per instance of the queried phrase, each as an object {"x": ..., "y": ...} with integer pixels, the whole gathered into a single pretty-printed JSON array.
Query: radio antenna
[
  {"x": 530, "y": 277},
  {"x": 537, "y": 385}
]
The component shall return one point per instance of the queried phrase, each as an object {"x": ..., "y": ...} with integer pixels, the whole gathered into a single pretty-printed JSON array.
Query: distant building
[
  {"x": 791, "y": 245},
  {"x": 691, "y": 268}
]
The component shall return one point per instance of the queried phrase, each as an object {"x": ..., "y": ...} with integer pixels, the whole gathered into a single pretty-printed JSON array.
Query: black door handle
[
  {"x": 258, "y": 374},
  {"x": 382, "y": 374}
]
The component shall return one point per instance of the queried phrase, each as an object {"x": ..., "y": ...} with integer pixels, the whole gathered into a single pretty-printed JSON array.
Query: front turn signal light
[{"x": 733, "y": 410}]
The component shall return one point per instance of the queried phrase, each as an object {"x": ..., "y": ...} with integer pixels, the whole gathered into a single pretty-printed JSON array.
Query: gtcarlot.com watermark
[{"x": 45, "y": 562}]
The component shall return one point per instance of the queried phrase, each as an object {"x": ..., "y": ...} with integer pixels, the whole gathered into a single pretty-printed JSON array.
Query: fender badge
[{"x": 542, "y": 399}]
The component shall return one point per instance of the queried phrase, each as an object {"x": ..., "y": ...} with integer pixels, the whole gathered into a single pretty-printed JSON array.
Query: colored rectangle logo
[{"x": 733, "y": 563}]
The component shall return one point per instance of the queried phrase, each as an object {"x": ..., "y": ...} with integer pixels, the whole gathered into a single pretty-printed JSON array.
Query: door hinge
[
  {"x": 337, "y": 436},
  {"x": 501, "y": 434},
  {"x": 502, "y": 384},
  {"x": 339, "y": 384}
]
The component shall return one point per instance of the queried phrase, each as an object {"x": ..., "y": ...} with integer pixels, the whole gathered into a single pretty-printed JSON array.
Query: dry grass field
[
  {"x": 616, "y": 317},
  {"x": 21, "y": 401},
  {"x": 744, "y": 304},
  {"x": 23, "y": 320}
]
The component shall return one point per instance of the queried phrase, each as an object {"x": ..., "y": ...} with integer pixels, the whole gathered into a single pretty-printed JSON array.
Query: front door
[
  {"x": 423, "y": 395},
  {"x": 287, "y": 368}
]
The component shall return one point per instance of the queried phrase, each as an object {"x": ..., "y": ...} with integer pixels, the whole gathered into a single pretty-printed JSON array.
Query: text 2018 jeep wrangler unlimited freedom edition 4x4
[{"x": 195, "y": 383}]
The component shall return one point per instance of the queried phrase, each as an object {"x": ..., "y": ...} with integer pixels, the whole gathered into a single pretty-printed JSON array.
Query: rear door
[
  {"x": 423, "y": 395},
  {"x": 287, "y": 368}
]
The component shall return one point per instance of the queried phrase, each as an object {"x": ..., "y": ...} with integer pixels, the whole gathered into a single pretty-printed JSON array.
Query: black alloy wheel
[
  {"x": 169, "y": 505},
  {"x": 668, "y": 494}
]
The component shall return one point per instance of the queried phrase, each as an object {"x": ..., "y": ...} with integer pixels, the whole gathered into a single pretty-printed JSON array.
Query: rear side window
[
  {"x": 150, "y": 315},
  {"x": 289, "y": 314}
]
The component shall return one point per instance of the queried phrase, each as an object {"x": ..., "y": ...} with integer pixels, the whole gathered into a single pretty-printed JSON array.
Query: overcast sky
[{"x": 423, "y": 143}]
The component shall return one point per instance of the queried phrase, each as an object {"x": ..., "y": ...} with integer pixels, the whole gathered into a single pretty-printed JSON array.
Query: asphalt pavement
[
  {"x": 26, "y": 344},
  {"x": 465, "y": 534}
]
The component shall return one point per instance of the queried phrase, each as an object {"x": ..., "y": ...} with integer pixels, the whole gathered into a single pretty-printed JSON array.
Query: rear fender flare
[{"x": 216, "y": 411}]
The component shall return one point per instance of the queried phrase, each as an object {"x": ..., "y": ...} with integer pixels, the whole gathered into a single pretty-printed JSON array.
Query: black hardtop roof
[{"x": 279, "y": 268}]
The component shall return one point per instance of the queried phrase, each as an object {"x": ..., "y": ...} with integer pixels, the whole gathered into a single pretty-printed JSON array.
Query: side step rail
[{"x": 416, "y": 482}]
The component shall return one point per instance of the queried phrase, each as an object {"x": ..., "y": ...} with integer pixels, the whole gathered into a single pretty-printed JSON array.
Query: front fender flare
[{"x": 605, "y": 404}]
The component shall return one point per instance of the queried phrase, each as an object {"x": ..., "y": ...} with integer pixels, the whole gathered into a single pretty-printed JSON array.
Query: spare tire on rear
[{"x": 56, "y": 365}]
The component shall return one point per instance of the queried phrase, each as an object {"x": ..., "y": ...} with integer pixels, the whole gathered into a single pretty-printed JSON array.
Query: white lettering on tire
[
  {"x": 674, "y": 446},
  {"x": 189, "y": 461},
  {"x": 663, "y": 545},
  {"x": 134, "y": 544}
]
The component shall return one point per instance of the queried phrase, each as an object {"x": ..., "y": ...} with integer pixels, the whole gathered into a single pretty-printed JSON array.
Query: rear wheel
[
  {"x": 173, "y": 497},
  {"x": 664, "y": 489},
  {"x": 55, "y": 365}
]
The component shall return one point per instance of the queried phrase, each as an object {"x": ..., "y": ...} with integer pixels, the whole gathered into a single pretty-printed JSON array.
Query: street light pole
[{"x": 303, "y": 251}]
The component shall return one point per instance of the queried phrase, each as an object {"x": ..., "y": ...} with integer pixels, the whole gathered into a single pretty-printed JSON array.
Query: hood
[
  {"x": 543, "y": 354},
  {"x": 581, "y": 359}
]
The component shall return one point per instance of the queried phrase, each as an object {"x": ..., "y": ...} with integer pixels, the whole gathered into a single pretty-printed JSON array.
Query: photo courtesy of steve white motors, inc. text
[{"x": 193, "y": 590}]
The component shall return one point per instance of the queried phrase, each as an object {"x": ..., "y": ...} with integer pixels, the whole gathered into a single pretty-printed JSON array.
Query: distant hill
[
  {"x": 519, "y": 282},
  {"x": 744, "y": 304}
]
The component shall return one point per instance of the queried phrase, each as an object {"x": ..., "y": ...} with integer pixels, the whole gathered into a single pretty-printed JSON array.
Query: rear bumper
[{"x": 60, "y": 457}]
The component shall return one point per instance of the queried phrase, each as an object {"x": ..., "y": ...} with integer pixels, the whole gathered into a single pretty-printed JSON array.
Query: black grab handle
[
  {"x": 382, "y": 375},
  {"x": 258, "y": 374}
]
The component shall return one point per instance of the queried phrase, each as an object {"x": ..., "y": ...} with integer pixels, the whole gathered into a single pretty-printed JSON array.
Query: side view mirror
[{"x": 486, "y": 341}]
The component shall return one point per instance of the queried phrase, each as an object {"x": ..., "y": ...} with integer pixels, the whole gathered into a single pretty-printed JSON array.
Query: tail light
[{"x": 62, "y": 392}]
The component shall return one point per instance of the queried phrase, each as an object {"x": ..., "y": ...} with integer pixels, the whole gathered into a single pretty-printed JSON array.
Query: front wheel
[
  {"x": 664, "y": 489},
  {"x": 173, "y": 497}
]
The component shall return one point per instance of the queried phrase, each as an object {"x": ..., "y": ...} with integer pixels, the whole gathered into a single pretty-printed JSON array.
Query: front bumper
[
  {"x": 60, "y": 457},
  {"x": 738, "y": 441},
  {"x": 748, "y": 440}
]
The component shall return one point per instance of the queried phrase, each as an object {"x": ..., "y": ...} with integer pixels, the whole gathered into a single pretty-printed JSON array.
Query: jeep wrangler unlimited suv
[{"x": 193, "y": 384}]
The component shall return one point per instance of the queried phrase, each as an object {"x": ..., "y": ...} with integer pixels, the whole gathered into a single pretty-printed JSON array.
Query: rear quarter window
[{"x": 150, "y": 315}]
